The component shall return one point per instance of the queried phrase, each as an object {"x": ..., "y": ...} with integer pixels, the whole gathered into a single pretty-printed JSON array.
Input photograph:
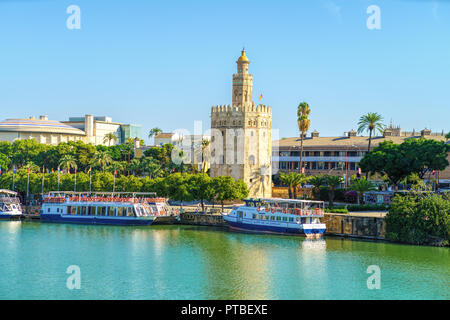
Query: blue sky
[{"x": 165, "y": 63}]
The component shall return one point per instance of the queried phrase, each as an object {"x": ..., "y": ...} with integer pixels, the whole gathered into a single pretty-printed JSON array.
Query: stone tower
[{"x": 241, "y": 142}]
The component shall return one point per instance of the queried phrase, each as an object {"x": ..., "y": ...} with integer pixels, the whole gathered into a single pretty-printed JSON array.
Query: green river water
[{"x": 184, "y": 262}]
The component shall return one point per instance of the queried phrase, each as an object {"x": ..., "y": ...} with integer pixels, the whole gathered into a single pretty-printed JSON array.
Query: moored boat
[
  {"x": 119, "y": 208},
  {"x": 281, "y": 216},
  {"x": 10, "y": 207}
]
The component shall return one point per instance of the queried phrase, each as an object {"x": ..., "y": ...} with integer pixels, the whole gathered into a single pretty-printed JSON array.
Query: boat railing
[
  {"x": 102, "y": 199},
  {"x": 296, "y": 211}
]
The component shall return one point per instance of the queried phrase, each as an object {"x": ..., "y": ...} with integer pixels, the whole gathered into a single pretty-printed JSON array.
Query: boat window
[
  {"x": 266, "y": 217},
  {"x": 278, "y": 218},
  {"x": 240, "y": 213},
  {"x": 272, "y": 218},
  {"x": 298, "y": 219},
  {"x": 74, "y": 211},
  {"x": 291, "y": 219},
  {"x": 131, "y": 214},
  {"x": 112, "y": 212},
  {"x": 48, "y": 210},
  {"x": 254, "y": 216},
  {"x": 121, "y": 212},
  {"x": 83, "y": 211}
]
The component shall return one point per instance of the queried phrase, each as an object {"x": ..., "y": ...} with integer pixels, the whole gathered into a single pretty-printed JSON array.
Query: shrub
[
  {"x": 368, "y": 207},
  {"x": 336, "y": 210},
  {"x": 419, "y": 219},
  {"x": 350, "y": 196}
]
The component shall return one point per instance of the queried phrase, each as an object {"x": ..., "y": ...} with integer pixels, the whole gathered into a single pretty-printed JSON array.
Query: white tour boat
[
  {"x": 9, "y": 205},
  {"x": 118, "y": 208},
  {"x": 281, "y": 216}
]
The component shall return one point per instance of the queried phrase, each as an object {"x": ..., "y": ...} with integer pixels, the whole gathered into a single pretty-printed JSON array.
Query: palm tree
[
  {"x": 151, "y": 167},
  {"x": 371, "y": 122},
  {"x": 30, "y": 165},
  {"x": 317, "y": 181},
  {"x": 154, "y": 132},
  {"x": 67, "y": 162},
  {"x": 102, "y": 158},
  {"x": 303, "y": 122},
  {"x": 287, "y": 180},
  {"x": 135, "y": 166},
  {"x": 360, "y": 186},
  {"x": 109, "y": 137},
  {"x": 333, "y": 182},
  {"x": 115, "y": 166},
  {"x": 298, "y": 179},
  {"x": 205, "y": 144}
]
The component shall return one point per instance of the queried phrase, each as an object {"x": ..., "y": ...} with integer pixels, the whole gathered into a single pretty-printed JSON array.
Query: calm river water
[{"x": 182, "y": 262}]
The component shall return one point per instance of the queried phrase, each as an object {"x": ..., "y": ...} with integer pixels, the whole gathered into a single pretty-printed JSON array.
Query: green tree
[
  {"x": 154, "y": 132},
  {"x": 67, "y": 162},
  {"x": 447, "y": 136},
  {"x": 109, "y": 137},
  {"x": 200, "y": 187},
  {"x": 333, "y": 182},
  {"x": 419, "y": 218},
  {"x": 224, "y": 190},
  {"x": 177, "y": 186},
  {"x": 303, "y": 122},
  {"x": 317, "y": 181},
  {"x": 361, "y": 186},
  {"x": 371, "y": 122},
  {"x": 102, "y": 158},
  {"x": 205, "y": 145}
]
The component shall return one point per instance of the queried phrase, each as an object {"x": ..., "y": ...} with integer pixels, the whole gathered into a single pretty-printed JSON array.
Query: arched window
[{"x": 251, "y": 159}]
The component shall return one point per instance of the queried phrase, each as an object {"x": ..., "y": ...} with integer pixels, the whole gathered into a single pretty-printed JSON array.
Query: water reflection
[{"x": 184, "y": 262}]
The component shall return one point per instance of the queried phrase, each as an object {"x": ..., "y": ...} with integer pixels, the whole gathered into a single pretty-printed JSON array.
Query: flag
[
  {"x": 303, "y": 169},
  {"x": 115, "y": 172},
  {"x": 52, "y": 171},
  {"x": 89, "y": 170},
  {"x": 260, "y": 97}
]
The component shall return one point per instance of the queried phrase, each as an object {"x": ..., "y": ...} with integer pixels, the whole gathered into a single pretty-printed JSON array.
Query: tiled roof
[{"x": 339, "y": 142}]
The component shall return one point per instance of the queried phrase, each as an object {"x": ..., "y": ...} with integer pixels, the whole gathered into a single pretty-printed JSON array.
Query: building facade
[
  {"x": 88, "y": 129},
  {"x": 42, "y": 130},
  {"x": 97, "y": 127},
  {"x": 241, "y": 138},
  {"x": 340, "y": 155}
]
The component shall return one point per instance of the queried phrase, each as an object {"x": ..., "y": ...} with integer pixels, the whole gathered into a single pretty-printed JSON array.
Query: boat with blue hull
[
  {"x": 279, "y": 216},
  {"x": 119, "y": 208},
  {"x": 10, "y": 208}
]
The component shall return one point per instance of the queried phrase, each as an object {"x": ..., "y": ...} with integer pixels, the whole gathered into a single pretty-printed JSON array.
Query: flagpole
[
  {"x": 58, "y": 178},
  {"x": 90, "y": 180},
  {"x": 14, "y": 173},
  {"x": 114, "y": 184},
  {"x": 43, "y": 173},
  {"x": 75, "y": 188},
  {"x": 28, "y": 184}
]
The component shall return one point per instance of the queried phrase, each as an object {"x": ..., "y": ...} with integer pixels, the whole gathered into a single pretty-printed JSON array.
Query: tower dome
[{"x": 243, "y": 57}]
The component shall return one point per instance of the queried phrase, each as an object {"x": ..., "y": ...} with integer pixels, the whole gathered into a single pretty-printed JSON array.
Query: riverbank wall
[{"x": 348, "y": 225}]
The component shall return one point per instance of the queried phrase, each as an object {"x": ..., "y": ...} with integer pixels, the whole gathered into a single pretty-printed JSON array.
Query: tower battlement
[{"x": 261, "y": 108}]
